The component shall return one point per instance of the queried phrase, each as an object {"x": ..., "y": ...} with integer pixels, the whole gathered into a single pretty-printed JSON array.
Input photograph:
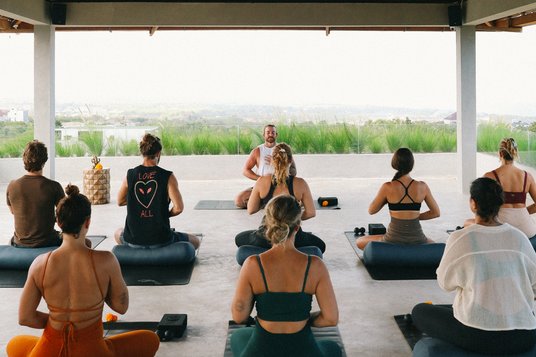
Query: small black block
[{"x": 172, "y": 326}]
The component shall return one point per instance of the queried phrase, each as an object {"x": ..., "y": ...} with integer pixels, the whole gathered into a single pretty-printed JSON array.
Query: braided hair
[
  {"x": 281, "y": 159},
  {"x": 402, "y": 162}
]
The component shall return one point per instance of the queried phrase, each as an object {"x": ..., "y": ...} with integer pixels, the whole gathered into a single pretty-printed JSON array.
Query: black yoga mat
[
  {"x": 15, "y": 278},
  {"x": 117, "y": 327},
  {"x": 320, "y": 333},
  {"x": 385, "y": 272},
  {"x": 411, "y": 333},
  {"x": 216, "y": 205}
]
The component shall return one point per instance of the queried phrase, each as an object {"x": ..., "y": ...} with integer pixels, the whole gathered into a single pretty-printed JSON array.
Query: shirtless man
[{"x": 261, "y": 158}]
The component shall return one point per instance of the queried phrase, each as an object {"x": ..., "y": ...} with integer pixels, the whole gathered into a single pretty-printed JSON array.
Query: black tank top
[
  {"x": 147, "y": 220},
  {"x": 273, "y": 185}
]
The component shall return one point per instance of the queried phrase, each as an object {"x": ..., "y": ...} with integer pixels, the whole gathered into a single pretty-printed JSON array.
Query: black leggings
[
  {"x": 438, "y": 321},
  {"x": 257, "y": 238}
]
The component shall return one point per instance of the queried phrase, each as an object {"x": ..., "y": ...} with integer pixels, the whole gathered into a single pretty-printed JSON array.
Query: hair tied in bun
[{"x": 72, "y": 190}]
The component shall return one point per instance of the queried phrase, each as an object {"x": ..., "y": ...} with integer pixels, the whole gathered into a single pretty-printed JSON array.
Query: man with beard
[{"x": 261, "y": 158}]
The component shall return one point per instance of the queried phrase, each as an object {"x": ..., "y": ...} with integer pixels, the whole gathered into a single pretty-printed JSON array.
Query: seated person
[
  {"x": 32, "y": 199},
  {"x": 492, "y": 268},
  {"x": 146, "y": 191},
  {"x": 282, "y": 282},
  {"x": 404, "y": 197},
  {"x": 75, "y": 283},
  {"x": 516, "y": 183},
  {"x": 281, "y": 182},
  {"x": 261, "y": 159}
]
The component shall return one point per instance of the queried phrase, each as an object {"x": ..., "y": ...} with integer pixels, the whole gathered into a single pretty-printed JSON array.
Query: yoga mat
[
  {"x": 15, "y": 278},
  {"x": 380, "y": 272},
  {"x": 96, "y": 240},
  {"x": 216, "y": 205},
  {"x": 117, "y": 327},
  {"x": 320, "y": 333},
  {"x": 411, "y": 333}
]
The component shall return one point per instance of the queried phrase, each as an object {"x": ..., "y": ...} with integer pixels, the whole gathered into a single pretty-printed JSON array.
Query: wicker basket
[{"x": 97, "y": 186}]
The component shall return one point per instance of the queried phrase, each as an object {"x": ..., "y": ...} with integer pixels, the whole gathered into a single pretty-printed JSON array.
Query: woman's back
[
  {"x": 74, "y": 283},
  {"x": 405, "y": 196},
  {"x": 512, "y": 180}
]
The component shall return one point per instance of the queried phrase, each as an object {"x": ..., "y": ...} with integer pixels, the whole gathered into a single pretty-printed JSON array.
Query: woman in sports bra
[
  {"x": 281, "y": 182},
  {"x": 404, "y": 196},
  {"x": 281, "y": 283},
  {"x": 516, "y": 183},
  {"x": 75, "y": 282}
]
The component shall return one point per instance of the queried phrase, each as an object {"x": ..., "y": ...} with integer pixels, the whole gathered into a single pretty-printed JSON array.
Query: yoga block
[
  {"x": 172, "y": 326},
  {"x": 328, "y": 201},
  {"x": 174, "y": 254},
  {"x": 434, "y": 347},
  {"x": 20, "y": 258},
  {"x": 246, "y": 250},
  {"x": 376, "y": 228},
  {"x": 398, "y": 255}
]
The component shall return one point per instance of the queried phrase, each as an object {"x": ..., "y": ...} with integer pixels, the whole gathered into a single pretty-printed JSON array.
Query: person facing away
[
  {"x": 32, "y": 199},
  {"x": 491, "y": 266},
  {"x": 147, "y": 191},
  {"x": 280, "y": 182},
  {"x": 261, "y": 159},
  {"x": 281, "y": 283},
  {"x": 404, "y": 196},
  {"x": 516, "y": 183},
  {"x": 75, "y": 282}
]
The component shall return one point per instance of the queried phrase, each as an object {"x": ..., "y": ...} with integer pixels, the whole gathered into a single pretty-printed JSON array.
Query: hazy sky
[{"x": 407, "y": 69}]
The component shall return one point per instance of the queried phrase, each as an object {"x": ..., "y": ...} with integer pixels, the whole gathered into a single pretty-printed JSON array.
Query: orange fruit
[
  {"x": 325, "y": 203},
  {"x": 98, "y": 166},
  {"x": 111, "y": 317}
]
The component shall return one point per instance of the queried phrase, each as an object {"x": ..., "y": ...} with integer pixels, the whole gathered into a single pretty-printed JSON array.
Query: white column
[
  {"x": 44, "y": 92},
  {"x": 466, "y": 105}
]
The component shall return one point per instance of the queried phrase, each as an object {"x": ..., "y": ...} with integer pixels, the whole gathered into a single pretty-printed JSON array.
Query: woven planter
[{"x": 97, "y": 186}]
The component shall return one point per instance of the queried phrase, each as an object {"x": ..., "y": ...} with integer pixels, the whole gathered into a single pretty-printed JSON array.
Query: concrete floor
[{"x": 366, "y": 306}]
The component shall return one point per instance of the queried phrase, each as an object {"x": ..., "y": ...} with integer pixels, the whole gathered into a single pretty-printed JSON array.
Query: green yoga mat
[
  {"x": 15, "y": 278},
  {"x": 320, "y": 333},
  {"x": 216, "y": 205}
]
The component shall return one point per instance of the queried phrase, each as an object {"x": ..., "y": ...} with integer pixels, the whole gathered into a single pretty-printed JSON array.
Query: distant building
[
  {"x": 17, "y": 115},
  {"x": 114, "y": 133},
  {"x": 3, "y": 114},
  {"x": 450, "y": 119}
]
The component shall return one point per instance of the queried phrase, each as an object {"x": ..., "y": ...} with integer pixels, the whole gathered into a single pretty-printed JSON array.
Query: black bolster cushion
[
  {"x": 19, "y": 258},
  {"x": 245, "y": 251},
  {"x": 174, "y": 254},
  {"x": 390, "y": 254}
]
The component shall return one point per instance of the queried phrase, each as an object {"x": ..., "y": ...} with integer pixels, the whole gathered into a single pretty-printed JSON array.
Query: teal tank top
[{"x": 284, "y": 306}]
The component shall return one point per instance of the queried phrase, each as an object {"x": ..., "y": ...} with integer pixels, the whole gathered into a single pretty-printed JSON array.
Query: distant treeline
[{"x": 304, "y": 138}]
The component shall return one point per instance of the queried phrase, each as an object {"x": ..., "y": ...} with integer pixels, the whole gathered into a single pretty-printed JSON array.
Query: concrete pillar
[
  {"x": 44, "y": 92},
  {"x": 466, "y": 105}
]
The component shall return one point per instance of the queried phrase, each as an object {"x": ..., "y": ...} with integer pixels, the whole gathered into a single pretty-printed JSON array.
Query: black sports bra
[
  {"x": 410, "y": 206},
  {"x": 273, "y": 185}
]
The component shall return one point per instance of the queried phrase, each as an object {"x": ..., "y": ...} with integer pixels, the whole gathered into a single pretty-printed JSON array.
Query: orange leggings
[{"x": 88, "y": 341}]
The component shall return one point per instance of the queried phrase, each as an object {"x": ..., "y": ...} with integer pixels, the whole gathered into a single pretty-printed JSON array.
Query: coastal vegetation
[{"x": 380, "y": 136}]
